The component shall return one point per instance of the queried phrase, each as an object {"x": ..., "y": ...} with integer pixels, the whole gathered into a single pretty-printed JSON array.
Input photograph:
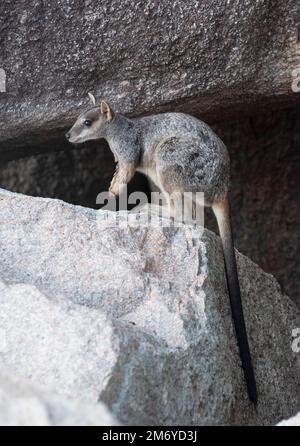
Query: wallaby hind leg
[{"x": 222, "y": 212}]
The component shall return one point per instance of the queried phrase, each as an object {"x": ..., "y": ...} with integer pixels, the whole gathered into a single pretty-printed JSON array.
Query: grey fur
[{"x": 179, "y": 153}]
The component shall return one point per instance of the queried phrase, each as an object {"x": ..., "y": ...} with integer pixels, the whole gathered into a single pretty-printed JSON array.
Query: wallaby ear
[
  {"x": 107, "y": 110},
  {"x": 92, "y": 98}
]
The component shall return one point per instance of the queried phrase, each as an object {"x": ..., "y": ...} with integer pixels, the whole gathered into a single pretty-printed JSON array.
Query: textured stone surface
[
  {"x": 236, "y": 56},
  {"x": 21, "y": 404},
  {"x": 294, "y": 421},
  {"x": 138, "y": 317}
]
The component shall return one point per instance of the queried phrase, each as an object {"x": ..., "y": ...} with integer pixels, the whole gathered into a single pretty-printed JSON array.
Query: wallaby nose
[{"x": 68, "y": 135}]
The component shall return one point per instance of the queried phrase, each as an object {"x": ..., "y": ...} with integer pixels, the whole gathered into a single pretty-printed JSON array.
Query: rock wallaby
[{"x": 179, "y": 153}]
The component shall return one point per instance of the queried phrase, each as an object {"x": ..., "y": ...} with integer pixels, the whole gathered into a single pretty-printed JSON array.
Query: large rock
[
  {"x": 138, "y": 317},
  {"x": 210, "y": 58},
  {"x": 21, "y": 404}
]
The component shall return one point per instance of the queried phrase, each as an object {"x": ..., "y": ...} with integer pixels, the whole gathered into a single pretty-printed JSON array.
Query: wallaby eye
[{"x": 88, "y": 123}]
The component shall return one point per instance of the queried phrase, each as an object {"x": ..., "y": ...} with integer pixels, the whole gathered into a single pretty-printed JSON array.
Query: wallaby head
[{"x": 92, "y": 123}]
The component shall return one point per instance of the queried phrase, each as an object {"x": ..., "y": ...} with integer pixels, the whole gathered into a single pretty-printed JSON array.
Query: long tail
[{"x": 222, "y": 213}]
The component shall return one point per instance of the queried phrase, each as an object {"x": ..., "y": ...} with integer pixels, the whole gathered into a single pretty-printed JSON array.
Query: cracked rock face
[{"x": 138, "y": 317}]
